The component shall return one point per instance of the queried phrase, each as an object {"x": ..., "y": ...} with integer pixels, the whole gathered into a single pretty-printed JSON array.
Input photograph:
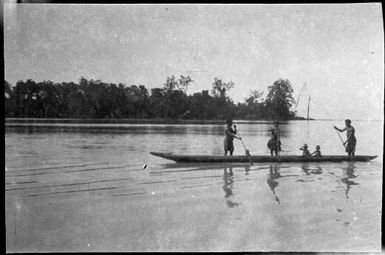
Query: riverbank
[{"x": 132, "y": 121}]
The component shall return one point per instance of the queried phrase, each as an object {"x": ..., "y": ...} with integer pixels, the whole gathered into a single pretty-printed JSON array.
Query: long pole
[
  {"x": 247, "y": 152},
  {"x": 341, "y": 139},
  {"x": 308, "y": 106},
  {"x": 300, "y": 95}
]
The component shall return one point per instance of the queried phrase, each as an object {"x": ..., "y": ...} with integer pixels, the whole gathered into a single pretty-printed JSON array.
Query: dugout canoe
[{"x": 258, "y": 158}]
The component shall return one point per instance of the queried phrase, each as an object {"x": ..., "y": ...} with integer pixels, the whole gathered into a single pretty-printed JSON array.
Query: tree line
[{"x": 97, "y": 99}]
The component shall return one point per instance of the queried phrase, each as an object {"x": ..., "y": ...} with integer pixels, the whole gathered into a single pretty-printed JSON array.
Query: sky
[{"x": 336, "y": 50}]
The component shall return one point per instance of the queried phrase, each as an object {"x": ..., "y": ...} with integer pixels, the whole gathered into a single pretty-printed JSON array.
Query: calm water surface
[{"x": 82, "y": 187}]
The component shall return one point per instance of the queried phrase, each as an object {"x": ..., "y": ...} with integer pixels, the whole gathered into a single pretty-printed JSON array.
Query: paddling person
[
  {"x": 305, "y": 151},
  {"x": 230, "y": 134},
  {"x": 274, "y": 145},
  {"x": 350, "y": 143},
  {"x": 317, "y": 152},
  {"x": 275, "y": 136}
]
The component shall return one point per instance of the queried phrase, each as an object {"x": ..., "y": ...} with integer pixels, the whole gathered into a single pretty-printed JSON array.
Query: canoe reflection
[
  {"x": 228, "y": 187},
  {"x": 272, "y": 179}
]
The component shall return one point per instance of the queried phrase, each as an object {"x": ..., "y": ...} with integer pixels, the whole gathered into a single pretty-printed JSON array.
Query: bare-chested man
[{"x": 351, "y": 138}]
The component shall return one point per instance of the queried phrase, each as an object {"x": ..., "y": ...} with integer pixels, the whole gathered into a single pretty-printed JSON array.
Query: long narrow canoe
[{"x": 240, "y": 159}]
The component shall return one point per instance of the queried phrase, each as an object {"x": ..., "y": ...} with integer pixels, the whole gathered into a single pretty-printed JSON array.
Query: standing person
[
  {"x": 230, "y": 134},
  {"x": 351, "y": 138},
  {"x": 274, "y": 145},
  {"x": 277, "y": 134}
]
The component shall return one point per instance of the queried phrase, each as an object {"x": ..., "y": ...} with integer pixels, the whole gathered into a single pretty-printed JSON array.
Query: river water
[{"x": 82, "y": 187}]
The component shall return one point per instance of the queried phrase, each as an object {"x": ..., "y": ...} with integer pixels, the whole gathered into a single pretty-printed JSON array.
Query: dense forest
[{"x": 97, "y": 99}]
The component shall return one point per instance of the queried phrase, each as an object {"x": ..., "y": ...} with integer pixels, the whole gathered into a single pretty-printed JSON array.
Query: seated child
[
  {"x": 274, "y": 145},
  {"x": 305, "y": 151},
  {"x": 317, "y": 152}
]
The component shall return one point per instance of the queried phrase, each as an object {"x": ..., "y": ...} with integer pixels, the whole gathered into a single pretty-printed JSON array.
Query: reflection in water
[
  {"x": 305, "y": 168},
  {"x": 349, "y": 174},
  {"x": 228, "y": 187},
  {"x": 247, "y": 169},
  {"x": 317, "y": 170},
  {"x": 308, "y": 170},
  {"x": 272, "y": 179}
]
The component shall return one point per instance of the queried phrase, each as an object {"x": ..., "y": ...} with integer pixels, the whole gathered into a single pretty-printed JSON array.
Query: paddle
[
  {"x": 247, "y": 152},
  {"x": 341, "y": 139}
]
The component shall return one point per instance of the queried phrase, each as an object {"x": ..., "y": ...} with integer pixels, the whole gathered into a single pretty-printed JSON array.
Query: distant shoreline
[
  {"x": 23, "y": 121},
  {"x": 127, "y": 121},
  {"x": 132, "y": 121}
]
